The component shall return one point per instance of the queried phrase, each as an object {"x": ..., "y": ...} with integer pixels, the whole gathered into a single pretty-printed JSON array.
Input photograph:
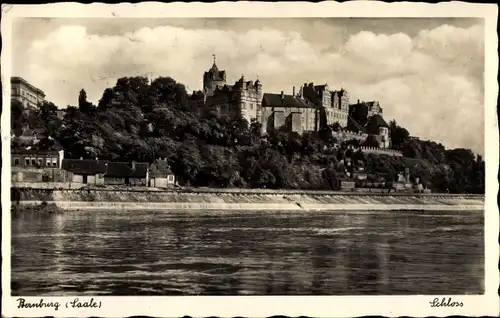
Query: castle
[{"x": 311, "y": 108}]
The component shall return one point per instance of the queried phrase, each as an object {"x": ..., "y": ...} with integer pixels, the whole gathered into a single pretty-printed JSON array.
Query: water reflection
[{"x": 258, "y": 253}]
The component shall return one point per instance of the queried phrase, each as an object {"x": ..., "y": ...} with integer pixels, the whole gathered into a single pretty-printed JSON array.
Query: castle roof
[
  {"x": 214, "y": 73},
  {"x": 353, "y": 125},
  {"x": 320, "y": 87},
  {"x": 223, "y": 88},
  {"x": 278, "y": 100},
  {"x": 376, "y": 121},
  {"x": 371, "y": 127},
  {"x": 214, "y": 68},
  {"x": 369, "y": 104}
]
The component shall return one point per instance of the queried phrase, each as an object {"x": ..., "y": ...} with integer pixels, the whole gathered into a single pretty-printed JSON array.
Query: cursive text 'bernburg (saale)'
[
  {"x": 75, "y": 303},
  {"x": 443, "y": 302},
  {"x": 22, "y": 303}
]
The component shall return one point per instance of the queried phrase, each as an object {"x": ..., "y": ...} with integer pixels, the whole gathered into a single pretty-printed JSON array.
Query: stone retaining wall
[{"x": 163, "y": 206}]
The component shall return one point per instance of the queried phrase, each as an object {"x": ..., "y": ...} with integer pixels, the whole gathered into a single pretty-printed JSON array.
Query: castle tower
[
  {"x": 384, "y": 142},
  {"x": 258, "y": 112},
  {"x": 248, "y": 99},
  {"x": 242, "y": 92},
  {"x": 344, "y": 100},
  {"x": 343, "y": 107},
  {"x": 213, "y": 78}
]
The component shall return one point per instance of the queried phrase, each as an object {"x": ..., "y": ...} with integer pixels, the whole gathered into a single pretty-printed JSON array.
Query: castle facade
[
  {"x": 242, "y": 99},
  {"x": 311, "y": 108}
]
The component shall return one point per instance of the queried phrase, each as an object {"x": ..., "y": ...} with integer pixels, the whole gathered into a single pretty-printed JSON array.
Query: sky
[{"x": 427, "y": 73}]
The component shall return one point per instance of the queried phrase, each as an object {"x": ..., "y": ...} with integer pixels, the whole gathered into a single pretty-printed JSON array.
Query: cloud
[{"x": 431, "y": 82}]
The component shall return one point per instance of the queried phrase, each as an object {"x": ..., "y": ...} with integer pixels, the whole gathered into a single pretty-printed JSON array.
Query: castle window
[
  {"x": 16, "y": 161},
  {"x": 40, "y": 162},
  {"x": 27, "y": 161}
]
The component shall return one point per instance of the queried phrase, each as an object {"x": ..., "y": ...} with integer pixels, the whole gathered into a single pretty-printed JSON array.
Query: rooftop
[
  {"x": 84, "y": 166},
  {"x": 160, "y": 168},
  {"x": 33, "y": 152},
  {"x": 279, "y": 100},
  {"x": 17, "y": 79},
  {"x": 353, "y": 125},
  {"x": 127, "y": 169},
  {"x": 214, "y": 73}
]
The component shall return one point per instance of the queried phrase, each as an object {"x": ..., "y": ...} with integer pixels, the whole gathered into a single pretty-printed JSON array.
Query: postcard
[{"x": 250, "y": 159}]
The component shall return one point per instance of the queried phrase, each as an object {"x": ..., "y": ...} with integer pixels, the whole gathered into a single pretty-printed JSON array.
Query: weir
[
  {"x": 82, "y": 187},
  {"x": 241, "y": 200}
]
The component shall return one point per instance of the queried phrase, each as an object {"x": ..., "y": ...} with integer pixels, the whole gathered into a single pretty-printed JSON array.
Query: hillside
[{"x": 142, "y": 121}]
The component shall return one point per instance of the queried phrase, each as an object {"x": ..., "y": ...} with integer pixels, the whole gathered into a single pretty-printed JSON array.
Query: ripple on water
[{"x": 248, "y": 253}]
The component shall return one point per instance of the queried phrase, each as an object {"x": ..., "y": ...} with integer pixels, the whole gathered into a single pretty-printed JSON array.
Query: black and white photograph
[{"x": 260, "y": 154}]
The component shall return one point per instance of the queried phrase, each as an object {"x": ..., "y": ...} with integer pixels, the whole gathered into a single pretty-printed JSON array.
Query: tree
[
  {"x": 106, "y": 99},
  {"x": 398, "y": 134},
  {"x": 167, "y": 91},
  {"x": 84, "y": 106},
  {"x": 49, "y": 119},
  {"x": 336, "y": 127},
  {"x": 17, "y": 117},
  {"x": 136, "y": 120},
  {"x": 187, "y": 163}
]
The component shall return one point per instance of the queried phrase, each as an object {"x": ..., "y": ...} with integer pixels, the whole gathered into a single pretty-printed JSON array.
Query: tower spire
[{"x": 214, "y": 58}]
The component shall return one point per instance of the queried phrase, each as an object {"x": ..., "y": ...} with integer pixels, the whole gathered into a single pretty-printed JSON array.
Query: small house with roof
[
  {"x": 160, "y": 174},
  {"x": 29, "y": 165},
  {"x": 88, "y": 171},
  {"x": 28, "y": 158},
  {"x": 127, "y": 173}
]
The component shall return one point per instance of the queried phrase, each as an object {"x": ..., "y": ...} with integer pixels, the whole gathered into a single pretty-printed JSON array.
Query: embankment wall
[
  {"x": 77, "y": 199},
  {"x": 157, "y": 206}
]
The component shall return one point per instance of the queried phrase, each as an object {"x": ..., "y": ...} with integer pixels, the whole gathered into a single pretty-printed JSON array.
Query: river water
[{"x": 247, "y": 253}]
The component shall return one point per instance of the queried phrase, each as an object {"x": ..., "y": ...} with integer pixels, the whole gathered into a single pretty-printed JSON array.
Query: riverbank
[
  {"x": 129, "y": 199},
  {"x": 39, "y": 208}
]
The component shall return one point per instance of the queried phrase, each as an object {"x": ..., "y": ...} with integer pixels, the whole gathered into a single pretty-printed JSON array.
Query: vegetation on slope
[{"x": 142, "y": 121}]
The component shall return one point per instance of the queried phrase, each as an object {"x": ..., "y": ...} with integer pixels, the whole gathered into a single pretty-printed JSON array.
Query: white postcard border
[{"x": 257, "y": 306}]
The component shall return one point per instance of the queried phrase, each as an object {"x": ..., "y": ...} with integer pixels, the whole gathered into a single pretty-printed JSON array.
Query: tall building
[
  {"x": 333, "y": 105},
  {"x": 212, "y": 79},
  {"x": 239, "y": 100},
  {"x": 294, "y": 112},
  {"x": 26, "y": 93}
]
